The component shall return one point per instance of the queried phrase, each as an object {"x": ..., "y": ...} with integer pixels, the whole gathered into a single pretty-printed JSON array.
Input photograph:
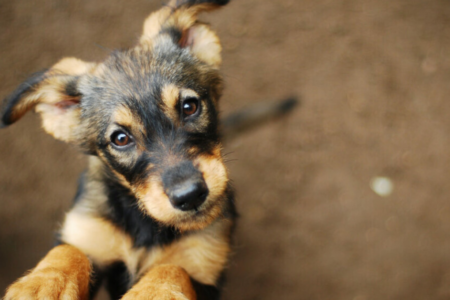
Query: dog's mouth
[
  {"x": 188, "y": 195},
  {"x": 197, "y": 213},
  {"x": 201, "y": 216},
  {"x": 201, "y": 210}
]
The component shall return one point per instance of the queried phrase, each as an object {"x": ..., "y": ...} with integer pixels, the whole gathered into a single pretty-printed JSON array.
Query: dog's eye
[
  {"x": 190, "y": 106},
  {"x": 121, "y": 139}
]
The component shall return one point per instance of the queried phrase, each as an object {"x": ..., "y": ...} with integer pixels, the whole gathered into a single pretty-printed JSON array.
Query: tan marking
[
  {"x": 202, "y": 254},
  {"x": 171, "y": 16},
  {"x": 47, "y": 96},
  {"x": 73, "y": 66},
  {"x": 94, "y": 236},
  {"x": 165, "y": 282},
  {"x": 123, "y": 116},
  {"x": 100, "y": 240},
  {"x": 93, "y": 198},
  {"x": 170, "y": 94},
  {"x": 99, "y": 70},
  {"x": 125, "y": 158},
  {"x": 202, "y": 121},
  {"x": 121, "y": 178},
  {"x": 154, "y": 201},
  {"x": 63, "y": 274},
  {"x": 60, "y": 124},
  {"x": 214, "y": 172},
  {"x": 199, "y": 38},
  {"x": 187, "y": 93},
  {"x": 216, "y": 178},
  {"x": 205, "y": 44},
  {"x": 49, "y": 91},
  {"x": 153, "y": 23}
]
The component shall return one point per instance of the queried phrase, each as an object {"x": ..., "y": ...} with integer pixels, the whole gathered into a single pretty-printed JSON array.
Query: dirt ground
[{"x": 374, "y": 79}]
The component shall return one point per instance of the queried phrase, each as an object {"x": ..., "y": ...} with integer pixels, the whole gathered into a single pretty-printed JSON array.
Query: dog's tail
[{"x": 255, "y": 115}]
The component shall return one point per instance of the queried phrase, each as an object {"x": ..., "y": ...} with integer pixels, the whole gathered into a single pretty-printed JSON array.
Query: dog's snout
[
  {"x": 189, "y": 194},
  {"x": 185, "y": 186}
]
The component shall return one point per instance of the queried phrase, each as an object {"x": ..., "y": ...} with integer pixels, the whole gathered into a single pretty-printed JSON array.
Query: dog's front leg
[
  {"x": 163, "y": 282},
  {"x": 62, "y": 274}
]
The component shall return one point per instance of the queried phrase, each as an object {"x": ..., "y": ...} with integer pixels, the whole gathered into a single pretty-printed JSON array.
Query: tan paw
[
  {"x": 165, "y": 282},
  {"x": 48, "y": 284},
  {"x": 163, "y": 292}
]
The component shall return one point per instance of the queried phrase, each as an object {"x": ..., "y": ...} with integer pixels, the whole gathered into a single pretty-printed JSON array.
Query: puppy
[{"x": 154, "y": 211}]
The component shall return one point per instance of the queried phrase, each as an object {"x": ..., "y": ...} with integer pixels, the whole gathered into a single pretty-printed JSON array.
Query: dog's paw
[
  {"x": 48, "y": 284},
  {"x": 162, "y": 292},
  {"x": 165, "y": 282}
]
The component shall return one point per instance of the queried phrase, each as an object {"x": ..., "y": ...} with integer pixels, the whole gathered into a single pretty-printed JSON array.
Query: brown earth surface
[{"x": 374, "y": 79}]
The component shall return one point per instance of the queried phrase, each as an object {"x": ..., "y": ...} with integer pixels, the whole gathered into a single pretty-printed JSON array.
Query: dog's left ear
[
  {"x": 179, "y": 20},
  {"x": 54, "y": 94}
]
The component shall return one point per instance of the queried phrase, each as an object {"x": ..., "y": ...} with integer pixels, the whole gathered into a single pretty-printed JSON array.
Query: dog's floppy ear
[
  {"x": 54, "y": 94},
  {"x": 179, "y": 19}
]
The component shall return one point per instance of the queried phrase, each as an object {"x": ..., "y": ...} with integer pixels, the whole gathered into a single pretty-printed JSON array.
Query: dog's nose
[
  {"x": 189, "y": 194},
  {"x": 185, "y": 186}
]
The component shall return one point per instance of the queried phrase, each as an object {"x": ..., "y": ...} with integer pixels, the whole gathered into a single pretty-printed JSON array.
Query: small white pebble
[{"x": 382, "y": 186}]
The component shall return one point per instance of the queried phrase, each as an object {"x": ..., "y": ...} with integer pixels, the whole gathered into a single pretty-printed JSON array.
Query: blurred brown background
[{"x": 374, "y": 78}]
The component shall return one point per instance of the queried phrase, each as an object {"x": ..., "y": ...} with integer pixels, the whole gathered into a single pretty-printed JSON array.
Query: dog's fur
[{"x": 148, "y": 119}]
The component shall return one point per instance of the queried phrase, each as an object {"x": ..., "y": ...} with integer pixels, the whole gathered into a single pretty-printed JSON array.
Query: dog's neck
[{"x": 103, "y": 196}]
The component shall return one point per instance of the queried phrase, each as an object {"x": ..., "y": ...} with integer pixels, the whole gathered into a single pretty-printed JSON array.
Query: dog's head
[{"x": 149, "y": 113}]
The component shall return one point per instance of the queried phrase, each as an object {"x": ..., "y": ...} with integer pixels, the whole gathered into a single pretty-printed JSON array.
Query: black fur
[
  {"x": 207, "y": 292},
  {"x": 96, "y": 281},
  {"x": 124, "y": 213},
  {"x": 72, "y": 89},
  {"x": 134, "y": 80},
  {"x": 118, "y": 280},
  {"x": 116, "y": 277},
  {"x": 175, "y": 33},
  {"x": 11, "y": 101},
  {"x": 146, "y": 232},
  {"x": 174, "y": 66},
  {"x": 180, "y": 173}
]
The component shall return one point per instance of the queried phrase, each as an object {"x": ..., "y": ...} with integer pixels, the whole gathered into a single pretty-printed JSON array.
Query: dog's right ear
[
  {"x": 54, "y": 94},
  {"x": 179, "y": 19}
]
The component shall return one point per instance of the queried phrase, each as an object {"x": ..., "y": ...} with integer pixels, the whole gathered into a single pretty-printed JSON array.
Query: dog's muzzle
[{"x": 185, "y": 186}]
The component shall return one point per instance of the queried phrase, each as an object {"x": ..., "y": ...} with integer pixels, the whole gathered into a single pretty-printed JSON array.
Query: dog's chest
[{"x": 202, "y": 254}]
